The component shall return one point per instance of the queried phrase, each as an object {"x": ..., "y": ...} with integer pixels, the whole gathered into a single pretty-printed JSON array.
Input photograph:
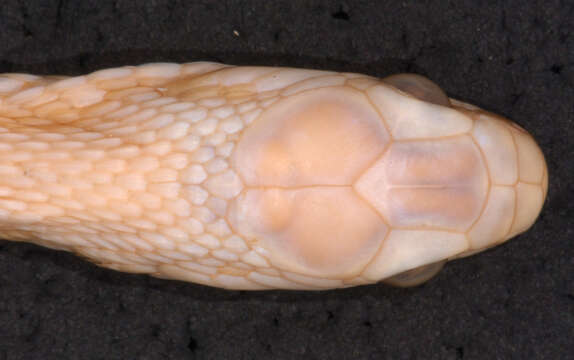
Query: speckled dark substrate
[{"x": 516, "y": 301}]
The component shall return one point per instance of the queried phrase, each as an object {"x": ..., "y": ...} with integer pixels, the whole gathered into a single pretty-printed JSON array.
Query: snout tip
[{"x": 532, "y": 183}]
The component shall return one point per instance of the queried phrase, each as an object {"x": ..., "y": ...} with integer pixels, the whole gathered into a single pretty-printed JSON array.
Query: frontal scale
[{"x": 259, "y": 178}]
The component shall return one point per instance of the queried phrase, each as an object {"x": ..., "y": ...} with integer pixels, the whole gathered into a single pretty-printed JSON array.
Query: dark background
[{"x": 515, "y": 58}]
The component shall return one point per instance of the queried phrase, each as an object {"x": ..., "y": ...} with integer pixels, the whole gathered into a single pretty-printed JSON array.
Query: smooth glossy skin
[{"x": 260, "y": 178}]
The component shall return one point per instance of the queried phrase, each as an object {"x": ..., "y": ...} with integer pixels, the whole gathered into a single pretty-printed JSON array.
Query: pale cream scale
[{"x": 260, "y": 177}]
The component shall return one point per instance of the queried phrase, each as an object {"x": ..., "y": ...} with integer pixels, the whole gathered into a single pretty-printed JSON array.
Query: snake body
[{"x": 260, "y": 177}]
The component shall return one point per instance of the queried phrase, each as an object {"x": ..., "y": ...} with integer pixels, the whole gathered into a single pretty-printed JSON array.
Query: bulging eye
[{"x": 419, "y": 87}]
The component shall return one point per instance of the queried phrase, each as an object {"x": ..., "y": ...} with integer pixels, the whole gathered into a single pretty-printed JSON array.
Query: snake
[{"x": 256, "y": 178}]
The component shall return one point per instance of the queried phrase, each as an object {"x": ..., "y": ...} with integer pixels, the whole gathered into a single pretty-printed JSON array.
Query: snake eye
[{"x": 419, "y": 87}]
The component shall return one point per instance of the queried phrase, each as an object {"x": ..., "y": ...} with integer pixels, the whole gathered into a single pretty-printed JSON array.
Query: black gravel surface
[{"x": 515, "y": 58}]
